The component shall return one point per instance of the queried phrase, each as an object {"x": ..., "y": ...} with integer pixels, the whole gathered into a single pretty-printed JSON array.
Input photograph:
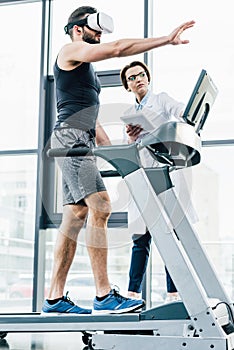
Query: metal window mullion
[{"x": 41, "y": 143}]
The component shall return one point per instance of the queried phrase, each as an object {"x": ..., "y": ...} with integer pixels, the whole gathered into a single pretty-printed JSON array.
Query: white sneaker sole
[
  {"x": 117, "y": 311},
  {"x": 62, "y": 314}
]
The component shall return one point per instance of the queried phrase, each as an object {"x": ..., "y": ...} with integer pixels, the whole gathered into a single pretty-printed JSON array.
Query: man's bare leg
[
  {"x": 65, "y": 248},
  {"x": 172, "y": 296},
  {"x": 96, "y": 239},
  {"x": 134, "y": 295}
]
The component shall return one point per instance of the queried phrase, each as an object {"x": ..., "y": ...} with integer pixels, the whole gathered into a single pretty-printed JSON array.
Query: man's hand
[
  {"x": 133, "y": 131},
  {"x": 174, "y": 37},
  {"x": 102, "y": 138}
]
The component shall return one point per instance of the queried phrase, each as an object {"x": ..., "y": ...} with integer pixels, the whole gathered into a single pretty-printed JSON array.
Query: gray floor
[{"x": 42, "y": 341}]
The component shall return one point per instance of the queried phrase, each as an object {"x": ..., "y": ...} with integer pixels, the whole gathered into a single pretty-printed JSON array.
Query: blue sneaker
[
  {"x": 64, "y": 306},
  {"x": 115, "y": 303}
]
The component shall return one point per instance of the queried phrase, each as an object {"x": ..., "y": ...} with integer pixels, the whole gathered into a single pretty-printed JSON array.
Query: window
[
  {"x": 20, "y": 22},
  {"x": 19, "y": 75},
  {"x": 22, "y": 202},
  {"x": 176, "y": 69},
  {"x": 17, "y": 223},
  {"x": 213, "y": 219}
]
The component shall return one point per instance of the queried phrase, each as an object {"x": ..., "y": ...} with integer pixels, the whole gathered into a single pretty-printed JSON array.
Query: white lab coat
[{"x": 159, "y": 108}]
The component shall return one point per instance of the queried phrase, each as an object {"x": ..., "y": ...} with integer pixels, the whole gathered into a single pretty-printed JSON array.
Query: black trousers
[{"x": 139, "y": 261}]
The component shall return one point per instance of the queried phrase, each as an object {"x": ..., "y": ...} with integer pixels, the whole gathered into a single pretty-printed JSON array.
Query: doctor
[{"x": 158, "y": 108}]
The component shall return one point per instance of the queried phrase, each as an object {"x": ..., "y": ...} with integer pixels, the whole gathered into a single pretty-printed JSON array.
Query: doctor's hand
[{"x": 133, "y": 131}]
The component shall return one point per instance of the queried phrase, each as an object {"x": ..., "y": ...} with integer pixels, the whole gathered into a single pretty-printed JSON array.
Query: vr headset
[{"x": 100, "y": 22}]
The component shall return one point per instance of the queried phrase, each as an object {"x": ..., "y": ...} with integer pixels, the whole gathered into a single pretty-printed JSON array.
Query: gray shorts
[{"x": 81, "y": 176}]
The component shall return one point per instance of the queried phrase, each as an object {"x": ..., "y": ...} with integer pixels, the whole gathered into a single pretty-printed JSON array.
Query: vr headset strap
[{"x": 81, "y": 22}]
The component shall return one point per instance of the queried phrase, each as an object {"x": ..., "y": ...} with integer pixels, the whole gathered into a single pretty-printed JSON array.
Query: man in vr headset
[{"x": 85, "y": 198}]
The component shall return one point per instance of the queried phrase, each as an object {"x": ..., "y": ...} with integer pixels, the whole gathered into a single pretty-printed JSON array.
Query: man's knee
[
  {"x": 99, "y": 205},
  {"x": 73, "y": 219},
  {"x": 101, "y": 213}
]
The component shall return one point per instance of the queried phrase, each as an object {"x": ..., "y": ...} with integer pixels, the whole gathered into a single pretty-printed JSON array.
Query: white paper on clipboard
[{"x": 138, "y": 119}]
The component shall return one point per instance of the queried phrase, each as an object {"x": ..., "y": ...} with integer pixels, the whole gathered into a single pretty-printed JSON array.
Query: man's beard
[{"x": 89, "y": 39}]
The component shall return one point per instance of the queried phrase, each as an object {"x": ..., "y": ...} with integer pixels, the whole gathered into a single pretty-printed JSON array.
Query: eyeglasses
[{"x": 133, "y": 77}]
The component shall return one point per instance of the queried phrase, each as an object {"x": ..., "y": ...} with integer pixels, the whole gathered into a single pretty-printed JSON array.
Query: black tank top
[{"x": 77, "y": 93}]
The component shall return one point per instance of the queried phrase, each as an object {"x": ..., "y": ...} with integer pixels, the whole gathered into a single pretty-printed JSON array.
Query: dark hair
[
  {"x": 130, "y": 65},
  {"x": 79, "y": 14}
]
